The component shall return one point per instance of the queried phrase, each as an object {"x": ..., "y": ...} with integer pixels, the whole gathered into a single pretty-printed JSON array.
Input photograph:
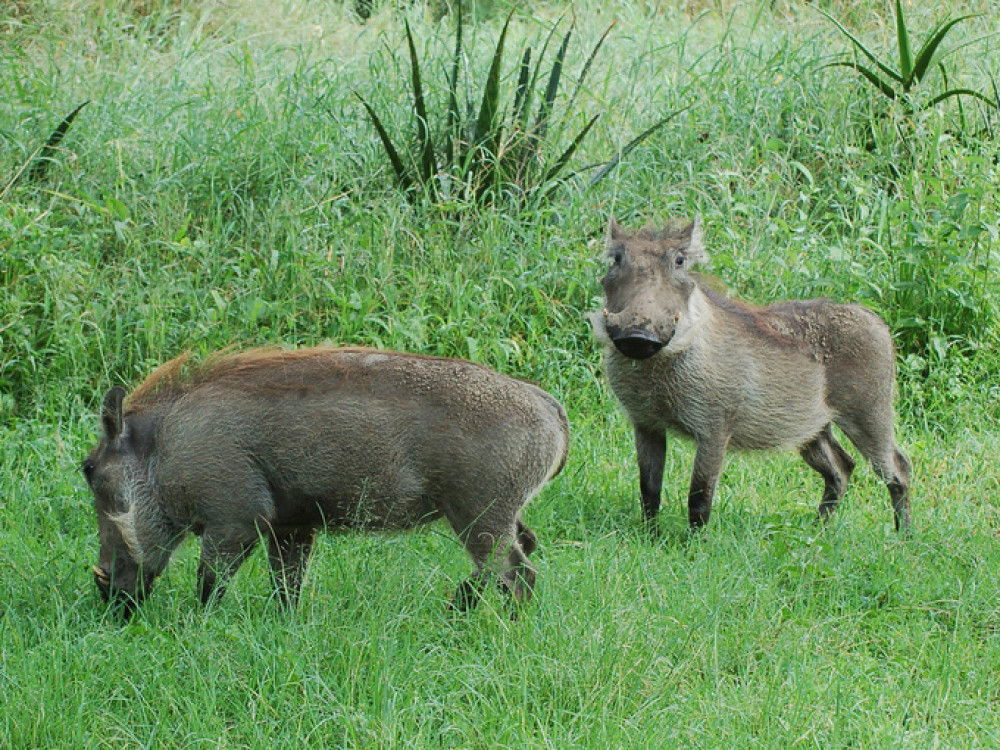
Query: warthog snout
[
  {"x": 125, "y": 599},
  {"x": 635, "y": 343}
]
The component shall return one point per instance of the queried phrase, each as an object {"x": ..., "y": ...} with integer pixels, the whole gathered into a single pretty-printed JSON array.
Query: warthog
[
  {"x": 276, "y": 444},
  {"x": 682, "y": 358}
]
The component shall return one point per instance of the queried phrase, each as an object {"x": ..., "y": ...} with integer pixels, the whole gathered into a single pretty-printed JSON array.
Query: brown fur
[
  {"x": 280, "y": 443},
  {"x": 683, "y": 358}
]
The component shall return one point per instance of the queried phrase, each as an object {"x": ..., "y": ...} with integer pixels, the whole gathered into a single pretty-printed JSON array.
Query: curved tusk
[{"x": 101, "y": 574}]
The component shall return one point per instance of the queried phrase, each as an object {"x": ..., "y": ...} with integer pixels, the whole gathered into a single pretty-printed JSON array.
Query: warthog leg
[
  {"x": 834, "y": 464},
  {"x": 651, "y": 447},
  {"x": 219, "y": 560},
  {"x": 708, "y": 460},
  {"x": 875, "y": 440},
  {"x": 526, "y": 538},
  {"x": 899, "y": 491},
  {"x": 504, "y": 560},
  {"x": 288, "y": 552}
]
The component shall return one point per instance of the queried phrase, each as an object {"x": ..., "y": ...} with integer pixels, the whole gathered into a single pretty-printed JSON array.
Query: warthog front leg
[
  {"x": 219, "y": 561},
  {"x": 651, "y": 448},
  {"x": 708, "y": 462}
]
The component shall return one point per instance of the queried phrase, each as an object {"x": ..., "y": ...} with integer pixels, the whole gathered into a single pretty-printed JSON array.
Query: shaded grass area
[{"x": 222, "y": 188}]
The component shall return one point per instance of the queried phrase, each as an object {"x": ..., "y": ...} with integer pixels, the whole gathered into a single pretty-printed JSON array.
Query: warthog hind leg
[
  {"x": 504, "y": 560},
  {"x": 899, "y": 490},
  {"x": 876, "y": 442},
  {"x": 526, "y": 538},
  {"x": 288, "y": 552},
  {"x": 834, "y": 464}
]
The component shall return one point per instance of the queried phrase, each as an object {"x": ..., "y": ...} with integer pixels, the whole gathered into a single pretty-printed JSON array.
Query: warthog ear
[
  {"x": 614, "y": 231},
  {"x": 695, "y": 250},
  {"x": 111, "y": 413}
]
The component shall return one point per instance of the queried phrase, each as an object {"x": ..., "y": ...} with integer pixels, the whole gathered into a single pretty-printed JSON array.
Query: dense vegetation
[{"x": 224, "y": 186}]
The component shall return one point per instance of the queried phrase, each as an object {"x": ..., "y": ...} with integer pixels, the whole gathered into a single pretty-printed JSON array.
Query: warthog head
[
  {"x": 125, "y": 569},
  {"x": 651, "y": 301}
]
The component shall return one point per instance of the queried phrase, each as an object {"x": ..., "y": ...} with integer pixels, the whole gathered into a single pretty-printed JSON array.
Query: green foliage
[
  {"x": 482, "y": 153},
  {"x": 897, "y": 84},
  {"x": 206, "y": 204},
  {"x": 942, "y": 274},
  {"x": 43, "y": 157}
]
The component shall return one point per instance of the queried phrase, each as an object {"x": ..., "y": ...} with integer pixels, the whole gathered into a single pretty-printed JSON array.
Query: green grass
[{"x": 224, "y": 187}]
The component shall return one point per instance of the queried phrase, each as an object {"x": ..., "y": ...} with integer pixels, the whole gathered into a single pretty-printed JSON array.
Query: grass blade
[
  {"x": 522, "y": 93},
  {"x": 551, "y": 89},
  {"x": 424, "y": 142},
  {"x": 527, "y": 146},
  {"x": 586, "y": 66},
  {"x": 864, "y": 50},
  {"x": 402, "y": 174},
  {"x": 454, "y": 116},
  {"x": 903, "y": 43},
  {"x": 888, "y": 91},
  {"x": 961, "y": 92},
  {"x": 525, "y": 111},
  {"x": 561, "y": 161},
  {"x": 486, "y": 123},
  {"x": 44, "y": 158},
  {"x": 631, "y": 145},
  {"x": 926, "y": 53}
]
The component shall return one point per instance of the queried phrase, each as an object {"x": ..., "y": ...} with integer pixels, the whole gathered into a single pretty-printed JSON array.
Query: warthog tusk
[{"x": 101, "y": 574}]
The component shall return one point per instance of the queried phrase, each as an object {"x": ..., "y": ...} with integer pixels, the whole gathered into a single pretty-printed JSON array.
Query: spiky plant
[
  {"x": 897, "y": 84},
  {"x": 492, "y": 149}
]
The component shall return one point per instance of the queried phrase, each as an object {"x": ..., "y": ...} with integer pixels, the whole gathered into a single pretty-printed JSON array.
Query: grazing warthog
[
  {"x": 277, "y": 444},
  {"x": 683, "y": 358}
]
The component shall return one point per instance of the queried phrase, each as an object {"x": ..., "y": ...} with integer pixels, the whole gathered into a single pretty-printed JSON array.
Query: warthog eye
[
  {"x": 88, "y": 468},
  {"x": 679, "y": 261},
  {"x": 618, "y": 257}
]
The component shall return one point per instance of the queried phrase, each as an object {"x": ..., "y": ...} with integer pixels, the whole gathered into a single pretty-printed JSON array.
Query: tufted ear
[
  {"x": 111, "y": 413},
  {"x": 695, "y": 250},
  {"x": 614, "y": 231}
]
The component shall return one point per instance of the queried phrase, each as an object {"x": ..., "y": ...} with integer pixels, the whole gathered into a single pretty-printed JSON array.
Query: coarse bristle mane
[
  {"x": 178, "y": 375},
  {"x": 174, "y": 378},
  {"x": 655, "y": 234},
  {"x": 163, "y": 380}
]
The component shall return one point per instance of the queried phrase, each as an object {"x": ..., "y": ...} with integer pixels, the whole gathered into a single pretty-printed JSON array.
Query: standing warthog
[
  {"x": 277, "y": 444},
  {"x": 682, "y": 358}
]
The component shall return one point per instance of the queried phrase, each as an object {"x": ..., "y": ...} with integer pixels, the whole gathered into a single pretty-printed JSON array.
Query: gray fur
[
  {"x": 278, "y": 444},
  {"x": 682, "y": 358}
]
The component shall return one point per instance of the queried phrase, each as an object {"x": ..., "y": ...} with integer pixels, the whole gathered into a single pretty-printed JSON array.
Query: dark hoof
[
  {"x": 652, "y": 529},
  {"x": 467, "y": 596}
]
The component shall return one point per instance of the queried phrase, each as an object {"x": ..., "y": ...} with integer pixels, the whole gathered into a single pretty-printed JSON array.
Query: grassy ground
[{"x": 223, "y": 187}]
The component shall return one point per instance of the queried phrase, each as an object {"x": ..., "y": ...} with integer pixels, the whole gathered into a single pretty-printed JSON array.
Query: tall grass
[{"x": 222, "y": 188}]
